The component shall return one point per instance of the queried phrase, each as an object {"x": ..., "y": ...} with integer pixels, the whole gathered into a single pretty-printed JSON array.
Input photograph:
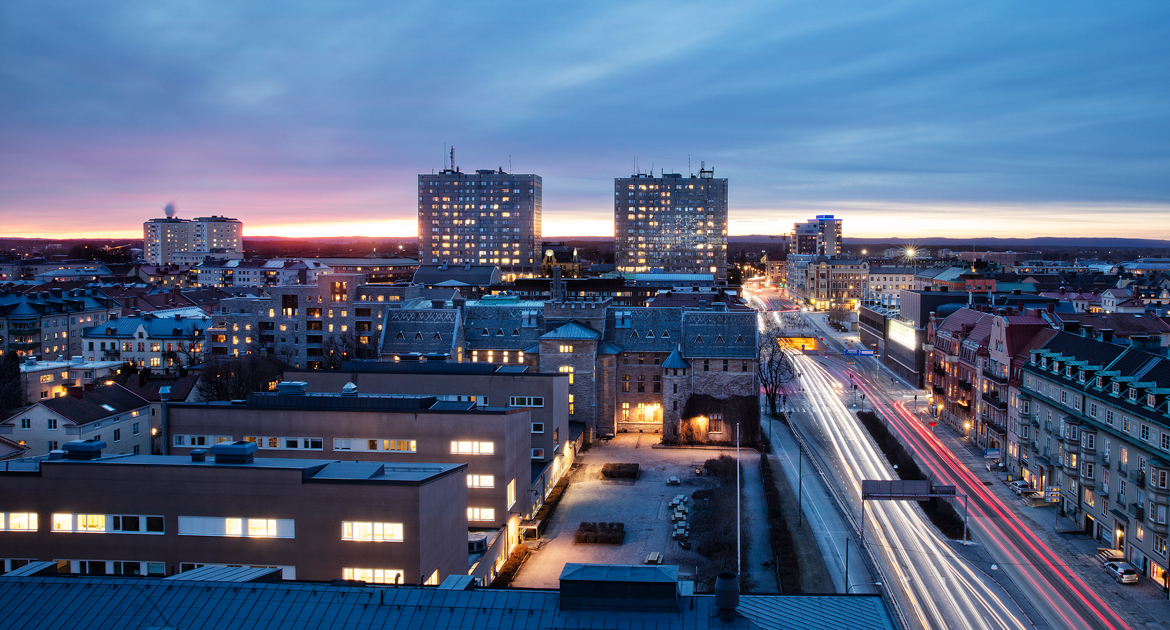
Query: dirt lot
[{"x": 641, "y": 505}]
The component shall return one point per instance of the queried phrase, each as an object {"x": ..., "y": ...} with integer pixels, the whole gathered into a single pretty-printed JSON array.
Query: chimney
[
  {"x": 459, "y": 303},
  {"x": 76, "y": 392},
  {"x": 437, "y": 304},
  {"x": 1107, "y": 335},
  {"x": 1051, "y": 307}
]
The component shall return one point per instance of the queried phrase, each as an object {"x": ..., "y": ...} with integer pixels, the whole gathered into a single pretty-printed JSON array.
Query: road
[{"x": 934, "y": 585}]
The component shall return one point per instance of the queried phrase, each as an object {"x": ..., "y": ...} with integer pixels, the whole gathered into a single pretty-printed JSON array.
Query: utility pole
[{"x": 738, "y": 492}]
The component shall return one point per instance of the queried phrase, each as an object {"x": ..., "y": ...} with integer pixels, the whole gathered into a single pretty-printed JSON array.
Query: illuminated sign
[{"x": 903, "y": 335}]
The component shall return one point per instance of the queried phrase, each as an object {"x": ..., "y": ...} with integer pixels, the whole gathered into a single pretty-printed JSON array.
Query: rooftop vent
[
  {"x": 349, "y": 390},
  {"x": 234, "y": 452},
  {"x": 198, "y": 454},
  {"x": 726, "y": 596},
  {"x": 84, "y": 449},
  {"x": 292, "y": 388}
]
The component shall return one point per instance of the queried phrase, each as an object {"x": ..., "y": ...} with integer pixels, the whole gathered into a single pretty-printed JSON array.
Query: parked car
[
  {"x": 1123, "y": 572},
  {"x": 1019, "y": 486}
]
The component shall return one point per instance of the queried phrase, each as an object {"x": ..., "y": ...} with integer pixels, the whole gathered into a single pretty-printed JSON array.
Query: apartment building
[
  {"x": 259, "y": 272},
  {"x": 156, "y": 515},
  {"x": 108, "y": 412},
  {"x": 49, "y": 323},
  {"x": 163, "y": 238},
  {"x": 486, "y": 217},
  {"x": 671, "y": 224},
  {"x": 1101, "y": 434},
  {"x": 835, "y": 282},
  {"x": 818, "y": 237},
  {"x": 493, "y": 442},
  {"x": 884, "y": 285},
  {"x": 148, "y": 340},
  {"x": 308, "y": 326}
]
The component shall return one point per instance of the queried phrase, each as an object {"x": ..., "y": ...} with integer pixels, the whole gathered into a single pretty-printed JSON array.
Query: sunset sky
[{"x": 907, "y": 119}]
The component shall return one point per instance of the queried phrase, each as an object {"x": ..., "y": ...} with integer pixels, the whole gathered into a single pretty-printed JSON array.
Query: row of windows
[
  {"x": 107, "y": 523},
  {"x": 392, "y": 446},
  {"x": 340, "y": 444}
]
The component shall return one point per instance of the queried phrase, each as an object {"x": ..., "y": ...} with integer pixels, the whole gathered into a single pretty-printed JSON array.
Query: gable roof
[
  {"x": 572, "y": 330},
  {"x": 102, "y": 402}
]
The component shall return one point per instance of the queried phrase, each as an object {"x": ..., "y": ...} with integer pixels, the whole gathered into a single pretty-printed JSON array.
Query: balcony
[
  {"x": 24, "y": 328},
  {"x": 939, "y": 390},
  {"x": 995, "y": 378},
  {"x": 23, "y": 345},
  {"x": 965, "y": 385},
  {"x": 995, "y": 401},
  {"x": 1138, "y": 478},
  {"x": 111, "y": 355},
  {"x": 1137, "y": 511},
  {"x": 940, "y": 370}
]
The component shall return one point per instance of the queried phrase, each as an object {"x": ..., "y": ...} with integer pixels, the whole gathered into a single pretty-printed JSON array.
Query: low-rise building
[
  {"x": 109, "y": 412},
  {"x": 494, "y": 442},
  {"x": 316, "y": 519},
  {"x": 546, "y": 395},
  {"x": 50, "y": 379},
  {"x": 148, "y": 341},
  {"x": 884, "y": 285}
]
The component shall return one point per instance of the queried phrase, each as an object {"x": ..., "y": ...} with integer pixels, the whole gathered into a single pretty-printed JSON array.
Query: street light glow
[{"x": 910, "y": 252}]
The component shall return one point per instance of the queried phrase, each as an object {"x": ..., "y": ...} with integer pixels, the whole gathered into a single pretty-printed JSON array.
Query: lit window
[
  {"x": 378, "y": 532},
  {"x": 481, "y": 481},
  {"x": 262, "y": 527},
  {"x": 473, "y": 448},
  {"x": 373, "y": 576},
  {"x": 481, "y": 514},
  {"x": 18, "y": 521},
  {"x": 232, "y": 527}
]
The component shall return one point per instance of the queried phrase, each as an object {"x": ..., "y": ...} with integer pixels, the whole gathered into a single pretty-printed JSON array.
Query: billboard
[{"x": 903, "y": 335}]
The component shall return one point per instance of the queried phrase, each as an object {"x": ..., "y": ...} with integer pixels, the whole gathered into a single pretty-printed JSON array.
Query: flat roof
[
  {"x": 316, "y": 401},
  {"x": 67, "y": 603},
  {"x": 311, "y": 469}
]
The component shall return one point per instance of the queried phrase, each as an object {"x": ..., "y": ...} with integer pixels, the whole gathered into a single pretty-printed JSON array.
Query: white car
[
  {"x": 1123, "y": 572},
  {"x": 1019, "y": 487}
]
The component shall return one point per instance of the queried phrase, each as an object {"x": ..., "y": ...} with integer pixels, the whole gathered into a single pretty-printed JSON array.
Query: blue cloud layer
[{"x": 129, "y": 104}]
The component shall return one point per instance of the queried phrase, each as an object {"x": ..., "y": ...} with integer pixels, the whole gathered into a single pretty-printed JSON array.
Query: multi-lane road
[{"x": 933, "y": 584}]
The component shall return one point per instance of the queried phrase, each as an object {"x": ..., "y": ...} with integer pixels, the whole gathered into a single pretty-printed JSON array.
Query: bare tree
[
  {"x": 839, "y": 314},
  {"x": 775, "y": 368},
  {"x": 338, "y": 347},
  {"x": 233, "y": 378}
]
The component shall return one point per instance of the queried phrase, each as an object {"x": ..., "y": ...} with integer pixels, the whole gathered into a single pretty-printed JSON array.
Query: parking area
[{"x": 643, "y": 505}]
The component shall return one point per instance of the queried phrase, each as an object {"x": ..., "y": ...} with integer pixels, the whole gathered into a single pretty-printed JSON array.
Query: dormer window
[
  {"x": 1133, "y": 394},
  {"x": 1151, "y": 400},
  {"x": 1081, "y": 375},
  {"x": 1068, "y": 371},
  {"x": 1044, "y": 363},
  {"x": 1100, "y": 382},
  {"x": 1033, "y": 359},
  {"x": 1117, "y": 389}
]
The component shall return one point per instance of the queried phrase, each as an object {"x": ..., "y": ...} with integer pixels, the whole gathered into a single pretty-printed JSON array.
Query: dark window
[
  {"x": 706, "y": 365},
  {"x": 725, "y": 365}
]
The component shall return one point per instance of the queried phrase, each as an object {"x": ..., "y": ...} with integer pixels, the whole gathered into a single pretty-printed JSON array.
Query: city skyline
[{"x": 909, "y": 120}]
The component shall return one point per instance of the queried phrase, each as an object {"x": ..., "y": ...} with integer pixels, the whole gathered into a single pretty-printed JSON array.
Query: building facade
[
  {"x": 148, "y": 341},
  {"x": 315, "y": 519},
  {"x": 486, "y": 217},
  {"x": 494, "y": 443},
  {"x": 111, "y": 413},
  {"x": 1101, "y": 435},
  {"x": 49, "y": 323},
  {"x": 671, "y": 223}
]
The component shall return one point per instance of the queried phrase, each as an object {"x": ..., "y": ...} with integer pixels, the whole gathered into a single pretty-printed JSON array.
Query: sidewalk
[
  {"x": 822, "y": 521},
  {"x": 755, "y": 512}
]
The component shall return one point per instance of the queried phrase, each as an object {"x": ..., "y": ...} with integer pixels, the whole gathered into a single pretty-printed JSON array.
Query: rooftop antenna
[
  {"x": 452, "y": 157},
  {"x": 509, "y": 162},
  {"x": 689, "y": 171}
]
